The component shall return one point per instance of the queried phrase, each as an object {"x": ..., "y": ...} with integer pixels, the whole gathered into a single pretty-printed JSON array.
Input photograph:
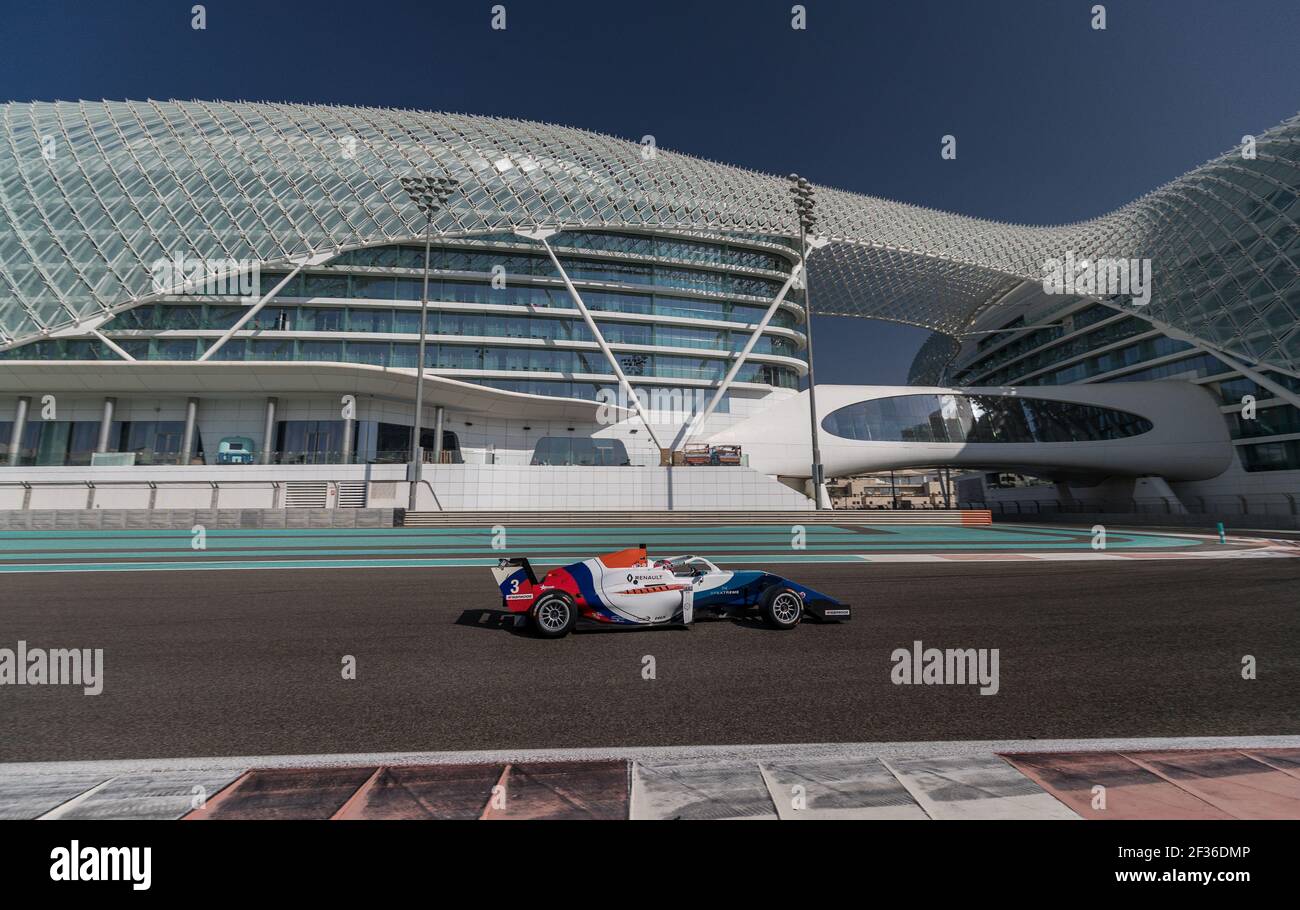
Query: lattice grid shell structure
[{"x": 92, "y": 194}]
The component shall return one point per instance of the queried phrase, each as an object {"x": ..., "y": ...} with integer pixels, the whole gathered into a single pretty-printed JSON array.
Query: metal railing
[
  {"x": 151, "y": 459},
  {"x": 149, "y": 489}
]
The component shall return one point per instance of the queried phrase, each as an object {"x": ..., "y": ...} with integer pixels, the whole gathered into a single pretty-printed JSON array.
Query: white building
[{"x": 191, "y": 285}]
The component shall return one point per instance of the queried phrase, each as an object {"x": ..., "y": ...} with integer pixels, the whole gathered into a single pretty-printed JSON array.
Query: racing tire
[
  {"x": 782, "y": 607},
  {"x": 554, "y": 615}
]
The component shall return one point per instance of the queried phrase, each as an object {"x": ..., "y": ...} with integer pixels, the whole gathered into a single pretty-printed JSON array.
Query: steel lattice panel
[{"x": 92, "y": 193}]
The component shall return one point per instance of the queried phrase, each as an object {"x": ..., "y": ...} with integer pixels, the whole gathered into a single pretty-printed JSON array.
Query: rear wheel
[
  {"x": 554, "y": 615},
  {"x": 782, "y": 607}
]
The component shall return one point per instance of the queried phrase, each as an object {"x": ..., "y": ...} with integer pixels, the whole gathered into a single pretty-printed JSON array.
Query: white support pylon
[{"x": 541, "y": 235}]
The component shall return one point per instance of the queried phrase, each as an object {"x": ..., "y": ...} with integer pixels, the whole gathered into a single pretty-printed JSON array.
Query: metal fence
[{"x": 184, "y": 494}]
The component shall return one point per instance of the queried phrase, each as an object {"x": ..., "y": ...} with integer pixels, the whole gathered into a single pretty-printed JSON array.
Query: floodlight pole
[
  {"x": 804, "y": 196},
  {"x": 818, "y": 470},
  {"x": 417, "y": 455},
  {"x": 430, "y": 194}
]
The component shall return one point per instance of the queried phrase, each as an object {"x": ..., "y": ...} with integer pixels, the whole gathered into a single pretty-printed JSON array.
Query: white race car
[{"x": 627, "y": 589}]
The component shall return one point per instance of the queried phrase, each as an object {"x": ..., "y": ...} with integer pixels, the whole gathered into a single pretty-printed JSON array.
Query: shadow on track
[{"x": 517, "y": 624}]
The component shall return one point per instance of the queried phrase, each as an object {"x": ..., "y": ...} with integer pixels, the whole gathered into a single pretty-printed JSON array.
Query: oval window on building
[{"x": 980, "y": 418}]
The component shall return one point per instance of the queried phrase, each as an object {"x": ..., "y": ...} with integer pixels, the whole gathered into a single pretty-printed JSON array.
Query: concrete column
[
  {"x": 187, "y": 439},
  {"x": 20, "y": 424},
  {"x": 1064, "y": 494},
  {"x": 105, "y": 424},
  {"x": 1153, "y": 487},
  {"x": 349, "y": 439},
  {"x": 437, "y": 435},
  {"x": 268, "y": 431}
]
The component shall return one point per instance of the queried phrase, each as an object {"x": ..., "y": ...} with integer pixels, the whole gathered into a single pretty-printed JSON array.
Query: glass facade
[
  {"x": 1231, "y": 391},
  {"x": 174, "y": 316},
  {"x": 1183, "y": 368},
  {"x": 1271, "y": 456},
  {"x": 72, "y": 442},
  {"x": 567, "y": 450},
  {"x": 1274, "y": 421},
  {"x": 513, "y": 265},
  {"x": 1120, "y": 329},
  {"x": 1019, "y": 364},
  {"x": 980, "y": 419},
  {"x": 318, "y": 316},
  {"x": 376, "y": 442}
]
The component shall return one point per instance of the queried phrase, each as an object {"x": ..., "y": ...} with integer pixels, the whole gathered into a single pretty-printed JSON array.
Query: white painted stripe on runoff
[
  {"x": 838, "y": 789},
  {"x": 716, "y": 790},
  {"x": 975, "y": 787},
  {"x": 159, "y": 795},
  {"x": 30, "y": 794},
  {"x": 63, "y": 809}
]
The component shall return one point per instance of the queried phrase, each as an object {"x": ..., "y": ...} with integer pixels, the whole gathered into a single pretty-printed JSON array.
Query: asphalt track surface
[{"x": 249, "y": 662}]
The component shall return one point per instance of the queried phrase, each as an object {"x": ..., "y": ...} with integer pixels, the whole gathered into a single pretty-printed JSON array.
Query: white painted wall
[
  {"x": 526, "y": 488},
  {"x": 467, "y": 487}
]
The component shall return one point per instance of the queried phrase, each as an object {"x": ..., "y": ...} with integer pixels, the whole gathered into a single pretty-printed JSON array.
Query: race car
[{"x": 626, "y": 589}]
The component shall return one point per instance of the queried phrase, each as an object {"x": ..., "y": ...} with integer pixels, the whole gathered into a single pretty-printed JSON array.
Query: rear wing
[{"x": 512, "y": 573}]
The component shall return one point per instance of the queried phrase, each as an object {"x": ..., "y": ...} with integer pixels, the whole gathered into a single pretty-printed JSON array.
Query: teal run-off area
[{"x": 161, "y": 550}]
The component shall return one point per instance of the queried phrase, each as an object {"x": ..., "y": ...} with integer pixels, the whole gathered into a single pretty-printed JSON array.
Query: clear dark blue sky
[{"x": 1054, "y": 121}]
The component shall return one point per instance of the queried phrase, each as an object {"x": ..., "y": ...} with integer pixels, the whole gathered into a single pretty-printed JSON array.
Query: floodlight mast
[
  {"x": 805, "y": 202},
  {"x": 430, "y": 195}
]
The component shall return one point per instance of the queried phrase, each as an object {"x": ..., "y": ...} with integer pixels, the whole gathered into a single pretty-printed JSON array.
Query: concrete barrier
[
  {"x": 185, "y": 519},
  {"x": 234, "y": 519},
  {"x": 959, "y": 517}
]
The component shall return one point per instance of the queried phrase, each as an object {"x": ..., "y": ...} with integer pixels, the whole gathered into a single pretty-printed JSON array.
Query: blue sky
[{"x": 1055, "y": 121}]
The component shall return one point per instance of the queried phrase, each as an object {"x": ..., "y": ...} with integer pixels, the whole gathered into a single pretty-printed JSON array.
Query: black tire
[
  {"x": 554, "y": 615},
  {"x": 782, "y": 607}
]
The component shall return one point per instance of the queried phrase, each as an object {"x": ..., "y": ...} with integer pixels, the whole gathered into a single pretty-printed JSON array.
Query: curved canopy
[{"x": 93, "y": 194}]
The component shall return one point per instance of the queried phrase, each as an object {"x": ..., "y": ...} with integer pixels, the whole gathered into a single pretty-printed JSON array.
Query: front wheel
[
  {"x": 554, "y": 616},
  {"x": 782, "y": 607}
]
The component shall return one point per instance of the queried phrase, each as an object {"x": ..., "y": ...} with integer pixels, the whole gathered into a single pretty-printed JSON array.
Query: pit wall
[
  {"x": 465, "y": 487},
  {"x": 186, "y": 519}
]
